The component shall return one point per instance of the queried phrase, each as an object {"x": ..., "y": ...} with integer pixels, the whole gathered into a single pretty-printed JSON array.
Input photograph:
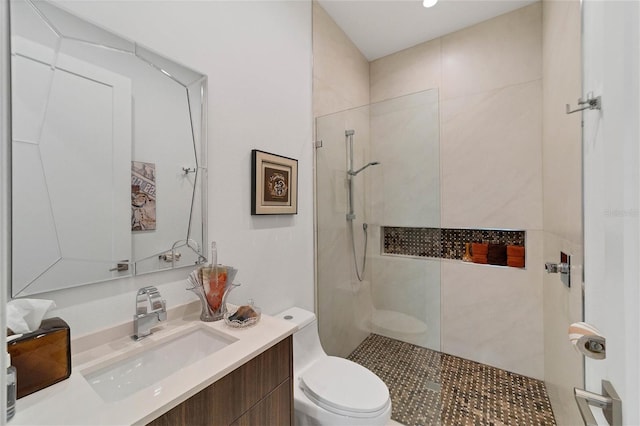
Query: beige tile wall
[
  {"x": 405, "y": 72},
  {"x": 340, "y": 82},
  {"x": 491, "y": 159},
  {"x": 492, "y": 314},
  {"x": 562, "y": 171},
  {"x": 497, "y": 53},
  {"x": 340, "y": 71}
]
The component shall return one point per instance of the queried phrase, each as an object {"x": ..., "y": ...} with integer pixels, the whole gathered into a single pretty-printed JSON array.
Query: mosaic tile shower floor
[{"x": 429, "y": 388}]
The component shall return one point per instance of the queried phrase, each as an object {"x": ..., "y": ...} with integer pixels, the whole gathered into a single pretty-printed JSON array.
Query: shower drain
[{"x": 433, "y": 386}]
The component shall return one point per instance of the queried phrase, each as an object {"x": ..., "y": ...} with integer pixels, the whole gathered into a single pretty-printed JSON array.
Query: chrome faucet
[{"x": 145, "y": 319}]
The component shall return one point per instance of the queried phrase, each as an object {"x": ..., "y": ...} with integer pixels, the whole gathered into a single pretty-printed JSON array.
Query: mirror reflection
[{"x": 108, "y": 154}]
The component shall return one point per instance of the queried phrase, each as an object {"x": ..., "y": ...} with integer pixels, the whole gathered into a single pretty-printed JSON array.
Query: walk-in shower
[{"x": 351, "y": 214}]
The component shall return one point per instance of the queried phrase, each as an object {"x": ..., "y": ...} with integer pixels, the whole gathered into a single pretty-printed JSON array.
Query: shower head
[{"x": 352, "y": 173}]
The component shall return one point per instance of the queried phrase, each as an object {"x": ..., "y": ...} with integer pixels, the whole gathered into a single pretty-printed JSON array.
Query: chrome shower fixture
[
  {"x": 350, "y": 173},
  {"x": 373, "y": 163},
  {"x": 351, "y": 215}
]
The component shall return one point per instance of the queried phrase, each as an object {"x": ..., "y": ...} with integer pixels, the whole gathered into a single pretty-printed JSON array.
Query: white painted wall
[
  {"x": 611, "y": 50},
  {"x": 257, "y": 56},
  {"x": 5, "y": 207}
]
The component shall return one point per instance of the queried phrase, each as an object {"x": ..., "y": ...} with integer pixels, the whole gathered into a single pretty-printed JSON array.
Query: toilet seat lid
[{"x": 344, "y": 387}]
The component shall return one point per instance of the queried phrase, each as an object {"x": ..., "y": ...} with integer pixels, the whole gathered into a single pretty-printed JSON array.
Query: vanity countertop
[{"x": 74, "y": 401}]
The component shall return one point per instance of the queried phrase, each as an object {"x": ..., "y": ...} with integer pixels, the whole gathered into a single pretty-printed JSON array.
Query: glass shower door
[{"x": 396, "y": 203}]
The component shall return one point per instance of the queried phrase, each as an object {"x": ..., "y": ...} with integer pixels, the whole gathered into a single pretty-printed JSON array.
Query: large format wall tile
[
  {"x": 493, "y": 314},
  {"x": 408, "y": 71},
  {"x": 496, "y": 53},
  {"x": 340, "y": 83},
  {"x": 562, "y": 133},
  {"x": 491, "y": 159},
  {"x": 344, "y": 309},
  {"x": 562, "y": 172},
  {"x": 340, "y": 71},
  {"x": 405, "y": 187},
  {"x": 332, "y": 160},
  {"x": 563, "y": 365}
]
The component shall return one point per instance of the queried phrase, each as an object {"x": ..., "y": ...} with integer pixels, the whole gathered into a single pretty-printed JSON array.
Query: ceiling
[{"x": 381, "y": 27}]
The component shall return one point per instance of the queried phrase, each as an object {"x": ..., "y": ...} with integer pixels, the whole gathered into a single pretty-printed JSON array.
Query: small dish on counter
[{"x": 243, "y": 316}]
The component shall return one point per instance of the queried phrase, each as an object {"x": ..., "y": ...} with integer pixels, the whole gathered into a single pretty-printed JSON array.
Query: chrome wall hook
[{"x": 589, "y": 103}]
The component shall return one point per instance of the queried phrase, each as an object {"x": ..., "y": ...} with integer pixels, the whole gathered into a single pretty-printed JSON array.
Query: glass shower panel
[
  {"x": 399, "y": 295},
  {"x": 406, "y": 194},
  {"x": 344, "y": 302}
]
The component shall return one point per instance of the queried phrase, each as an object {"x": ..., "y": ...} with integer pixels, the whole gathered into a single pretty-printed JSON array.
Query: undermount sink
[{"x": 120, "y": 379}]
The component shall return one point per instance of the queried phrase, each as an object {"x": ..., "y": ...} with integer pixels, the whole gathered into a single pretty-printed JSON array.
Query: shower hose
[{"x": 364, "y": 254}]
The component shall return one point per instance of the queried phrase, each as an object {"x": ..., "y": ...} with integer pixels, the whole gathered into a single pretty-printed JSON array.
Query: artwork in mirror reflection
[{"x": 91, "y": 108}]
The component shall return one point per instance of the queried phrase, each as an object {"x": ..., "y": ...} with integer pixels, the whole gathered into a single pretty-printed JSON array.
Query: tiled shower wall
[
  {"x": 562, "y": 159},
  {"x": 488, "y": 81},
  {"x": 340, "y": 82}
]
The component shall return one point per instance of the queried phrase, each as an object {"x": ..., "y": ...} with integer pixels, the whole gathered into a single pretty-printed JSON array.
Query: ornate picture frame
[{"x": 274, "y": 184}]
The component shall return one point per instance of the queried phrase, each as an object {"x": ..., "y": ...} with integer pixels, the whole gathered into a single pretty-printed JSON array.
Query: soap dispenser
[{"x": 11, "y": 388}]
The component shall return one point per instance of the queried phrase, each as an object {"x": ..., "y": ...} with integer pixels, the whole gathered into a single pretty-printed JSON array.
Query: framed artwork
[{"x": 274, "y": 184}]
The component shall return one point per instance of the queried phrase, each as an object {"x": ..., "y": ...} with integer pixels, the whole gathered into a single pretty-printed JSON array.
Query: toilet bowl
[{"x": 329, "y": 390}]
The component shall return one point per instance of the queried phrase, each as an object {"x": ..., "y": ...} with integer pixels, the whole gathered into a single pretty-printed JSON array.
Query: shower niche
[{"x": 447, "y": 243}]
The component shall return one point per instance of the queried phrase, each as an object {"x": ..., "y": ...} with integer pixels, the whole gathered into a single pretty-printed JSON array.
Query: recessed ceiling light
[{"x": 429, "y": 3}]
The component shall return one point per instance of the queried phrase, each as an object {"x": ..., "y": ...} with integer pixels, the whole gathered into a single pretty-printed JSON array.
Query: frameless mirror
[{"x": 108, "y": 157}]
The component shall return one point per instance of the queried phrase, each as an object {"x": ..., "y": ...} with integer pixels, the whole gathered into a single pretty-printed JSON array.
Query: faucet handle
[
  {"x": 157, "y": 302},
  {"x": 149, "y": 297}
]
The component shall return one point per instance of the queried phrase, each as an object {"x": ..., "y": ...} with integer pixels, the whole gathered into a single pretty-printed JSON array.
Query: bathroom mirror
[{"x": 108, "y": 159}]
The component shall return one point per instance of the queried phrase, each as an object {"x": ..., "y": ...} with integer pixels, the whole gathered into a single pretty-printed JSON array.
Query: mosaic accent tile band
[
  {"x": 443, "y": 243},
  {"x": 430, "y": 388}
]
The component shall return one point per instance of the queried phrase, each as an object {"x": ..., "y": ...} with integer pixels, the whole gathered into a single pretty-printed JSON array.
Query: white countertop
[{"x": 74, "y": 402}]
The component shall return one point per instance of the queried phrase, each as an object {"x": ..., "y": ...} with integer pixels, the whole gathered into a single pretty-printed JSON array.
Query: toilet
[{"x": 329, "y": 390}]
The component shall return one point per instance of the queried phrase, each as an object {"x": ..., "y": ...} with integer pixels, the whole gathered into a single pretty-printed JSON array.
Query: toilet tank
[{"x": 306, "y": 342}]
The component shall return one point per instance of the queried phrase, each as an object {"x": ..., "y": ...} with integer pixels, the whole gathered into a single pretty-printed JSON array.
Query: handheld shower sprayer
[{"x": 373, "y": 163}]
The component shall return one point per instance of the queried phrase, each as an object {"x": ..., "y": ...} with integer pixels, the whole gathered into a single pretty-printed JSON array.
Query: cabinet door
[
  {"x": 241, "y": 389},
  {"x": 274, "y": 410},
  {"x": 171, "y": 418}
]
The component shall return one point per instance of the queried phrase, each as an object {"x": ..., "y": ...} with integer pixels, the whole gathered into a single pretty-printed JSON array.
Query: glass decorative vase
[{"x": 212, "y": 285}]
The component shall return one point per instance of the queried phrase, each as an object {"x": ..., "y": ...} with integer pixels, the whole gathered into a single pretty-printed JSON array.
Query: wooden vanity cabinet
[{"x": 260, "y": 392}]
